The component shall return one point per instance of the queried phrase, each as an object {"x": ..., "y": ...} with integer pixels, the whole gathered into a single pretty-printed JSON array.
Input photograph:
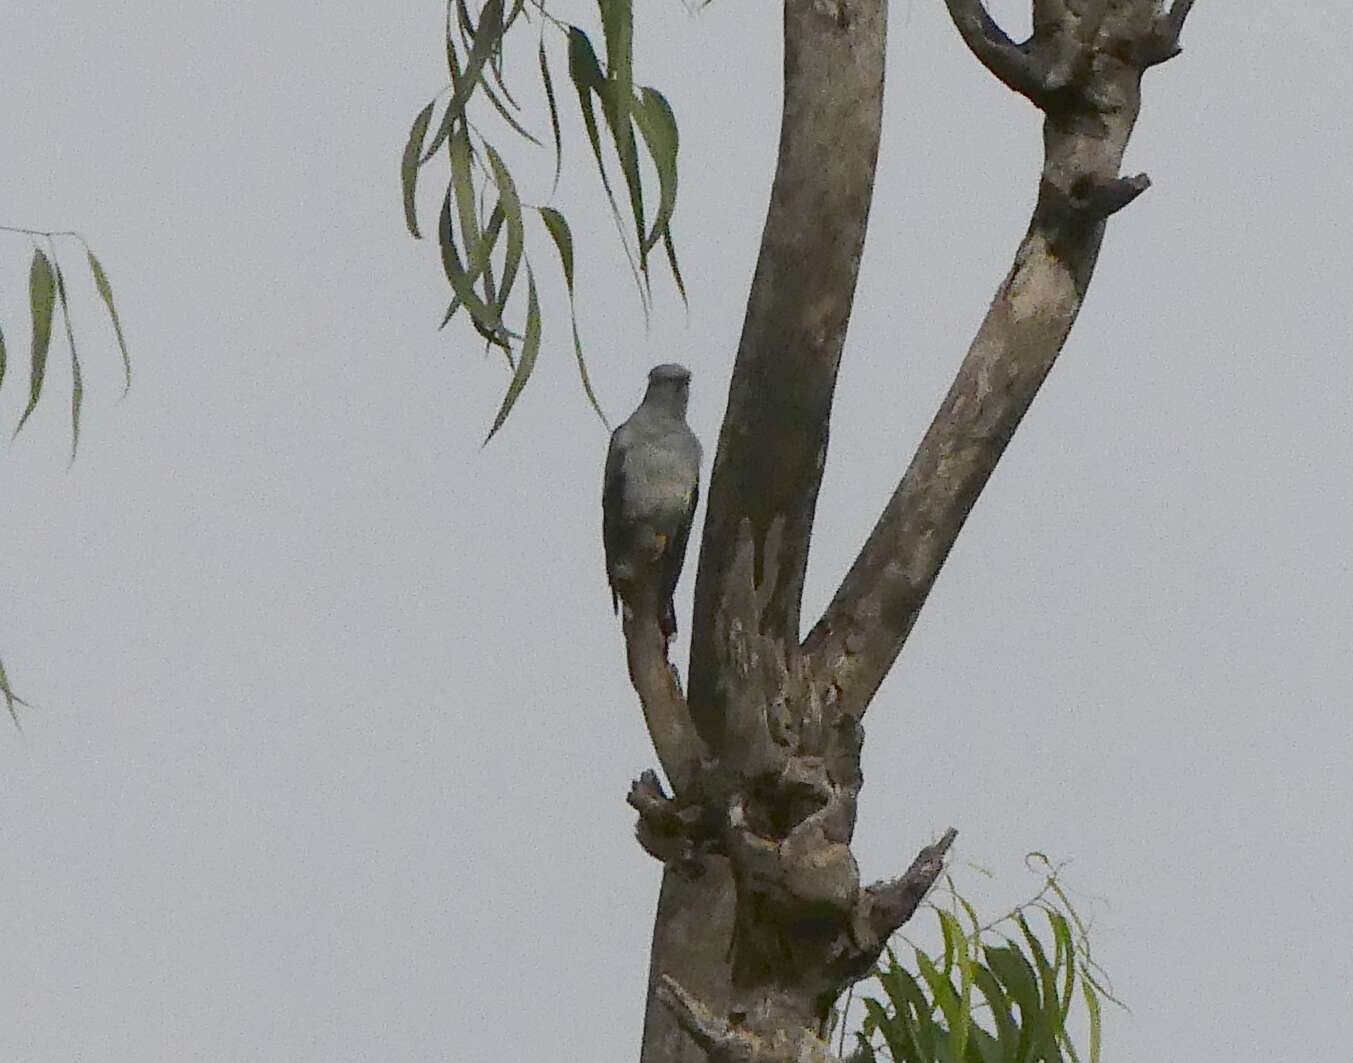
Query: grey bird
[{"x": 648, "y": 499}]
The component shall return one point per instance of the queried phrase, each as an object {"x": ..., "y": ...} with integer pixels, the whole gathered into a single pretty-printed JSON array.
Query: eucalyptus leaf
[
  {"x": 106, "y": 294},
  {"x": 527, "y": 362},
  {"x": 554, "y": 115},
  {"x": 408, "y": 167},
  {"x": 486, "y": 37},
  {"x": 77, "y": 391},
  {"x": 653, "y": 114},
  {"x": 42, "y": 300}
]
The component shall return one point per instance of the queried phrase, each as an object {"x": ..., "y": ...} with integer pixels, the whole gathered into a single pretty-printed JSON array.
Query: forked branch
[{"x": 1092, "y": 101}]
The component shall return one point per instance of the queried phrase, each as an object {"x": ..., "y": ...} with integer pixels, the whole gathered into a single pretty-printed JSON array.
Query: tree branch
[
  {"x": 656, "y": 682},
  {"x": 1162, "y": 43},
  {"x": 1009, "y": 61},
  {"x": 856, "y": 641},
  {"x": 773, "y": 444},
  {"x": 888, "y": 905}
]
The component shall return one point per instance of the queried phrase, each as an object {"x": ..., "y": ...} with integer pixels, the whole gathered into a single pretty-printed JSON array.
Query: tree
[{"x": 762, "y": 921}]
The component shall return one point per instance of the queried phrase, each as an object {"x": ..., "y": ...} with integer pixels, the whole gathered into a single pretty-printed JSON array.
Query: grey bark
[{"x": 762, "y": 921}]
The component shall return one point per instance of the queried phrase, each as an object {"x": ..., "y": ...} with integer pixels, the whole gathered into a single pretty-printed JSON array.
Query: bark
[
  {"x": 773, "y": 444},
  {"x": 762, "y": 920},
  {"x": 1088, "y": 83}
]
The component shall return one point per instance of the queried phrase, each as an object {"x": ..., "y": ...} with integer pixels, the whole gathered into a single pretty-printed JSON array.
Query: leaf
[
  {"x": 478, "y": 260},
  {"x": 106, "y": 294},
  {"x": 77, "y": 391},
  {"x": 585, "y": 72},
  {"x": 896, "y": 1035},
  {"x": 1096, "y": 1030},
  {"x": 1009, "y": 965},
  {"x": 1047, "y": 975},
  {"x": 461, "y": 283},
  {"x": 672, "y": 261},
  {"x": 527, "y": 362},
  {"x": 907, "y": 998},
  {"x": 1007, "y": 1033},
  {"x": 496, "y": 58},
  {"x": 486, "y": 36},
  {"x": 657, "y": 123},
  {"x": 956, "y": 1015},
  {"x": 617, "y": 95},
  {"x": 11, "y": 699},
  {"x": 516, "y": 230},
  {"x": 41, "y": 297},
  {"x": 1066, "y": 955},
  {"x": 559, "y": 231},
  {"x": 554, "y": 114},
  {"x": 507, "y": 116},
  {"x": 408, "y": 167}
]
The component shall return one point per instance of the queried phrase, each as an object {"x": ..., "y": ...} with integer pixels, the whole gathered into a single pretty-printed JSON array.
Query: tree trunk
[{"x": 762, "y": 921}]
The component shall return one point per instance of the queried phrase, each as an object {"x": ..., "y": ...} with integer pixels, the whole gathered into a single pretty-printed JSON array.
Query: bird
[{"x": 649, "y": 495}]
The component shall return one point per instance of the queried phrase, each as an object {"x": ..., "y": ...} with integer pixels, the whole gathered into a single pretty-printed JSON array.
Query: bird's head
[{"x": 669, "y": 388}]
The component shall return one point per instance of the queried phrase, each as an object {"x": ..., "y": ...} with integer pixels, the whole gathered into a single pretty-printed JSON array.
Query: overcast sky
[{"x": 332, "y": 732}]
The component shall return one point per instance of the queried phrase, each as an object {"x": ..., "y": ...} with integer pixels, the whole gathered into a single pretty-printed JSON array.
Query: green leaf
[
  {"x": 559, "y": 231},
  {"x": 1047, "y": 976},
  {"x": 897, "y": 1036},
  {"x": 42, "y": 299},
  {"x": 106, "y": 294},
  {"x": 77, "y": 391},
  {"x": 585, "y": 72},
  {"x": 506, "y": 115},
  {"x": 496, "y": 57},
  {"x": 657, "y": 123},
  {"x": 516, "y": 230},
  {"x": 1007, "y": 1033},
  {"x": 554, "y": 114},
  {"x": 11, "y": 699},
  {"x": 672, "y": 261},
  {"x": 557, "y": 226},
  {"x": 486, "y": 37},
  {"x": 1096, "y": 1028},
  {"x": 956, "y": 1015},
  {"x": 478, "y": 260},
  {"x": 461, "y": 284},
  {"x": 408, "y": 167},
  {"x": 1065, "y": 960},
  {"x": 617, "y": 95},
  {"x": 527, "y": 362},
  {"x": 1009, "y": 965},
  {"x": 912, "y": 1010}
]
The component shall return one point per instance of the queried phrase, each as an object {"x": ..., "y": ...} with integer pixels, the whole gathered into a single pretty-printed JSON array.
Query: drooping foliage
[
  {"x": 46, "y": 293},
  {"x": 999, "y": 992},
  {"x": 486, "y": 230}
]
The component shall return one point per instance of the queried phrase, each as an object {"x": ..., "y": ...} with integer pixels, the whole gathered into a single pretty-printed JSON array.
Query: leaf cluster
[
  {"x": 1000, "y": 992},
  {"x": 47, "y": 292},
  {"x": 482, "y": 229}
]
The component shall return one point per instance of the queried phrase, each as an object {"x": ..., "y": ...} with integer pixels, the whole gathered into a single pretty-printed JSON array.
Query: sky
[{"x": 331, "y": 729}]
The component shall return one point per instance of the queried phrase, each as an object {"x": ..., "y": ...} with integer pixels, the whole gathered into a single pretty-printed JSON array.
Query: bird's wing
[
  {"x": 675, "y": 555},
  {"x": 612, "y": 517}
]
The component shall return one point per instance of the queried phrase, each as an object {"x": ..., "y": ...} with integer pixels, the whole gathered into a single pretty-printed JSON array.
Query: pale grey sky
[{"x": 333, "y": 731}]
